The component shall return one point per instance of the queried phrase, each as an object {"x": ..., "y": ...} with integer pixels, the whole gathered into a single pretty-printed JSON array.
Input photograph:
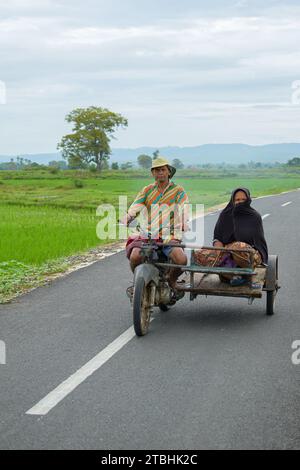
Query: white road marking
[
  {"x": 286, "y": 204},
  {"x": 265, "y": 216},
  {"x": 65, "y": 388}
]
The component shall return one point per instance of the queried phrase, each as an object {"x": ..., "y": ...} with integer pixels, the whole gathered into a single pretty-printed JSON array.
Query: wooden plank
[{"x": 211, "y": 284}]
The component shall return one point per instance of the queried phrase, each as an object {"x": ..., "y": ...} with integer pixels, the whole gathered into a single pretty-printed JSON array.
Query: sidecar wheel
[{"x": 270, "y": 302}]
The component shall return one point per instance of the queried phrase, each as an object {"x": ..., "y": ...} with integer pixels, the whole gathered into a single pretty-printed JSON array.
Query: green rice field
[{"x": 45, "y": 218}]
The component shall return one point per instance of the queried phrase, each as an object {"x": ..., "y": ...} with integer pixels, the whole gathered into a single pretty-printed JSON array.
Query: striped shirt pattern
[{"x": 160, "y": 207}]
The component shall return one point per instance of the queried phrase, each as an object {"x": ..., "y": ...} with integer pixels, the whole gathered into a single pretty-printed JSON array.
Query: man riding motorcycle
[{"x": 161, "y": 199}]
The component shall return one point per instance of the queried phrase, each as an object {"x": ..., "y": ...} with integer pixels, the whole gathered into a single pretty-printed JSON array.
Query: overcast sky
[{"x": 183, "y": 72}]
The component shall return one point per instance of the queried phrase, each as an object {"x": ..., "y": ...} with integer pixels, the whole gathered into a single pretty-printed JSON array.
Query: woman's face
[{"x": 239, "y": 197}]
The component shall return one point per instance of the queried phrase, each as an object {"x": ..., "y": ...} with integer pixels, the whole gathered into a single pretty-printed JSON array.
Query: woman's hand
[{"x": 218, "y": 244}]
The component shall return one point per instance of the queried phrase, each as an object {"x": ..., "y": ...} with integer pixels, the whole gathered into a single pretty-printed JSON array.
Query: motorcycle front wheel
[{"x": 141, "y": 306}]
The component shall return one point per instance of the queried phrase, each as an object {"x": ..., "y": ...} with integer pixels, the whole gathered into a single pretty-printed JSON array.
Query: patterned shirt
[{"x": 162, "y": 207}]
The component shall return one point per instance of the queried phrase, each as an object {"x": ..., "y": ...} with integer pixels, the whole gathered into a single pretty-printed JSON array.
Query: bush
[
  {"x": 78, "y": 184},
  {"x": 54, "y": 170}
]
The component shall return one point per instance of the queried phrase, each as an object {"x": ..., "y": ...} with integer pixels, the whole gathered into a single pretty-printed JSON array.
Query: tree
[
  {"x": 104, "y": 165},
  {"x": 294, "y": 162},
  {"x": 76, "y": 163},
  {"x": 8, "y": 165},
  {"x": 178, "y": 164},
  {"x": 115, "y": 166},
  {"x": 53, "y": 163},
  {"x": 60, "y": 164},
  {"x": 93, "y": 130},
  {"x": 155, "y": 155},
  {"x": 126, "y": 166},
  {"x": 144, "y": 161}
]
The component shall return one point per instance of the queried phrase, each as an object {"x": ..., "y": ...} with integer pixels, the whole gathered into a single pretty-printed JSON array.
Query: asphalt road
[{"x": 214, "y": 373}]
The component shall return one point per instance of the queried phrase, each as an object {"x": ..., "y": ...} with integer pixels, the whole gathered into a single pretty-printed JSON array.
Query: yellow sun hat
[{"x": 161, "y": 161}]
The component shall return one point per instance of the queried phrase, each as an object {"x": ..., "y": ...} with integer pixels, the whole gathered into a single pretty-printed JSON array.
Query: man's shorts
[{"x": 136, "y": 242}]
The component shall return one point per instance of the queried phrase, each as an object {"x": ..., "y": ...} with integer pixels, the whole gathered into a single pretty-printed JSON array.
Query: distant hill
[
  {"x": 208, "y": 153},
  {"x": 216, "y": 153}
]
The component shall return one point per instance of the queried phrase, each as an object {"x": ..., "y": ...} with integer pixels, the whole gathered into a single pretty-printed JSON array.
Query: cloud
[
  {"x": 56, "y": 55},
  {"x": 25, "y": 4}
]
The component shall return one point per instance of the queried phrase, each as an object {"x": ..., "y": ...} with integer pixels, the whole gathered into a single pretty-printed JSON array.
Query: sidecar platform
[{"x": 210, "y": 284}]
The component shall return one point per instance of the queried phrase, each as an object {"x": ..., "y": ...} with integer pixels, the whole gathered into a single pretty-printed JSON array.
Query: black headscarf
[{"x": 242, "y": 223}]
